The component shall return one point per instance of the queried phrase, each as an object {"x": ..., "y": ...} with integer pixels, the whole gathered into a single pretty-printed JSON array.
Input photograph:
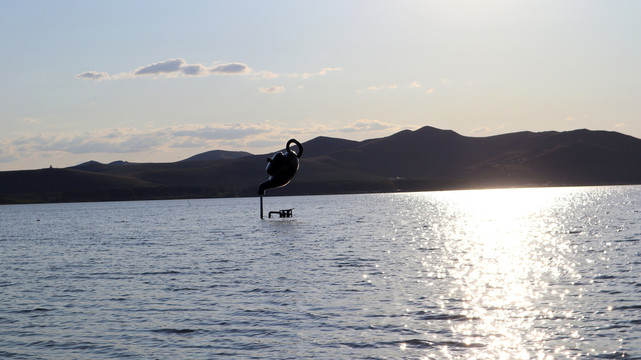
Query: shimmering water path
[{"x": 513, "y": 274}]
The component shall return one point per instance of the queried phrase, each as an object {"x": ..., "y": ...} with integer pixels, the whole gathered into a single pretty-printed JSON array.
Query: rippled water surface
[{"x": 493, "y": 274}]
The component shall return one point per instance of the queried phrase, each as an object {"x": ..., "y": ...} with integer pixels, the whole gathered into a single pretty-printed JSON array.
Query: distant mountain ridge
[
  {"x": 218, "y": 155},
  {"x": 212, "y": 155},
  {"x": 424, "y": 159}
]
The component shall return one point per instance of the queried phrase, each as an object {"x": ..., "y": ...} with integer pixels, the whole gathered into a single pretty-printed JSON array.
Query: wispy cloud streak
[
  {"x": 171, "y": 68},
  {"x": 377, "y": 88},
  {"x": 197, "y": 136},
  {"x": 179, "y": 67},
  {"x": 263, "y": 74},
  {"x": 163, "y": 67},
  {"x": 94, "y": 75},
  {"x": 272, "y": 89}
]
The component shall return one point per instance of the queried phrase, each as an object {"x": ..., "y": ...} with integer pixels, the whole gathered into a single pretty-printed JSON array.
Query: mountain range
[{"x": 419, "y": 160}]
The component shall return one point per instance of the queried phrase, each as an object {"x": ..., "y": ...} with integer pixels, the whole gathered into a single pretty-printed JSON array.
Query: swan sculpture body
[{"x": 281, "y": 168}]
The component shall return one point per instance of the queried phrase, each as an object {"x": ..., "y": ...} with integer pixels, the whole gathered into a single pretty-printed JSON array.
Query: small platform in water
[{"x": 286, "y": 213}]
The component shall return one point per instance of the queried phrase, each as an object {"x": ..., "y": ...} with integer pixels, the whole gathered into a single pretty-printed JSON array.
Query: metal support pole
[{"x": 261, "y": 206}]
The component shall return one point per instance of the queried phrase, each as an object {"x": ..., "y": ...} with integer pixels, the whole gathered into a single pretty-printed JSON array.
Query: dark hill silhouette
[
  {"x": 218, "y": 155},
  {"x": 424, "y": 159},
  {"x": 55, "y": 185},
  {"x": 90, "y": 165},
  {"x": 324, "y": 145}
]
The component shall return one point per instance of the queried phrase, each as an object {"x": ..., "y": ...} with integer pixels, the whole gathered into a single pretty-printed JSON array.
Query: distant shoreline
[
  {"x": 427, "y": 159},
  {"x": 62, "y": 199}
]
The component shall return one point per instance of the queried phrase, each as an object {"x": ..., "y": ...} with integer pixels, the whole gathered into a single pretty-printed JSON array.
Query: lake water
[{"x": 550, "y": 273}]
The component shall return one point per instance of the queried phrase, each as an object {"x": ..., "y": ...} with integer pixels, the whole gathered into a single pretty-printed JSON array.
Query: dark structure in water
[{"x": 281, "y": 168}]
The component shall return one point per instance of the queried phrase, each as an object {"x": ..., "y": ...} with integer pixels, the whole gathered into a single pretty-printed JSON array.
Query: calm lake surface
[{"x": 550, "y": 273}]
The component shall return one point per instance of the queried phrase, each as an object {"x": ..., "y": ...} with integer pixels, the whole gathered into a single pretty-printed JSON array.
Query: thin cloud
[
  {"x": 199, "y": 137},
  {"x": 480, "y": 130},
  {"x": 5, "y": 154},
  {"x": 366, "y": 125},
  {"x": 191, "y": 143},
  {"x": 328, "y": 70},
  {"x": 217, "y": 132},
  {"x": 324, "y": 71},
  {"x": 272, "y": 89},
  {"x": 232, "y": 68},
  {"x": 194, "y": 70},
  {"x": 112, "y": 141},
  {"x": 131, "y": 140},
  {"x": 163, "y": 67},
  {"x": 412, "y": 85},
  {"x": 29, "y": 120},
  {"x": 94, "y": 75},
  {"x": 377, "y": 88},
  {"x": 263, "y": 74},
  {"x": 171, "y": 68}
]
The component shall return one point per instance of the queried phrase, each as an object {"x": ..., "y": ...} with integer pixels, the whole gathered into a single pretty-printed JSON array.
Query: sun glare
[{"x": 505, "y": 249}]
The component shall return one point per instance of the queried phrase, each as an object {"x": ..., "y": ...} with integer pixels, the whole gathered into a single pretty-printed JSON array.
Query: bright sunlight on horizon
[{"x": 150, "y": 81}]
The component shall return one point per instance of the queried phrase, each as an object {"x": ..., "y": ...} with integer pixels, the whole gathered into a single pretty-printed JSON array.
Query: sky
[{"x": 159, "y": 81}]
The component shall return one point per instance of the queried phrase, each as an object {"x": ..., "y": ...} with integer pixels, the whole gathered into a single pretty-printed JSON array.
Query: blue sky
[{"x": 163, "y": 80}]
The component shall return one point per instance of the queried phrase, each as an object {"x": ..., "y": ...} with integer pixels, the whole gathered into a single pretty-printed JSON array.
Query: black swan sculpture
[{"x": 281, "y": 168}]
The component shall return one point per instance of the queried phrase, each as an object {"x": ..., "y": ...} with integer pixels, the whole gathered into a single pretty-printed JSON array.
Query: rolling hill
[{"x": 424, "y": 159}]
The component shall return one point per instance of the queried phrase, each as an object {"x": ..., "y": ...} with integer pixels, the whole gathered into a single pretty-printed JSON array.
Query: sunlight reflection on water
[{"x": 504, "y": 251}]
